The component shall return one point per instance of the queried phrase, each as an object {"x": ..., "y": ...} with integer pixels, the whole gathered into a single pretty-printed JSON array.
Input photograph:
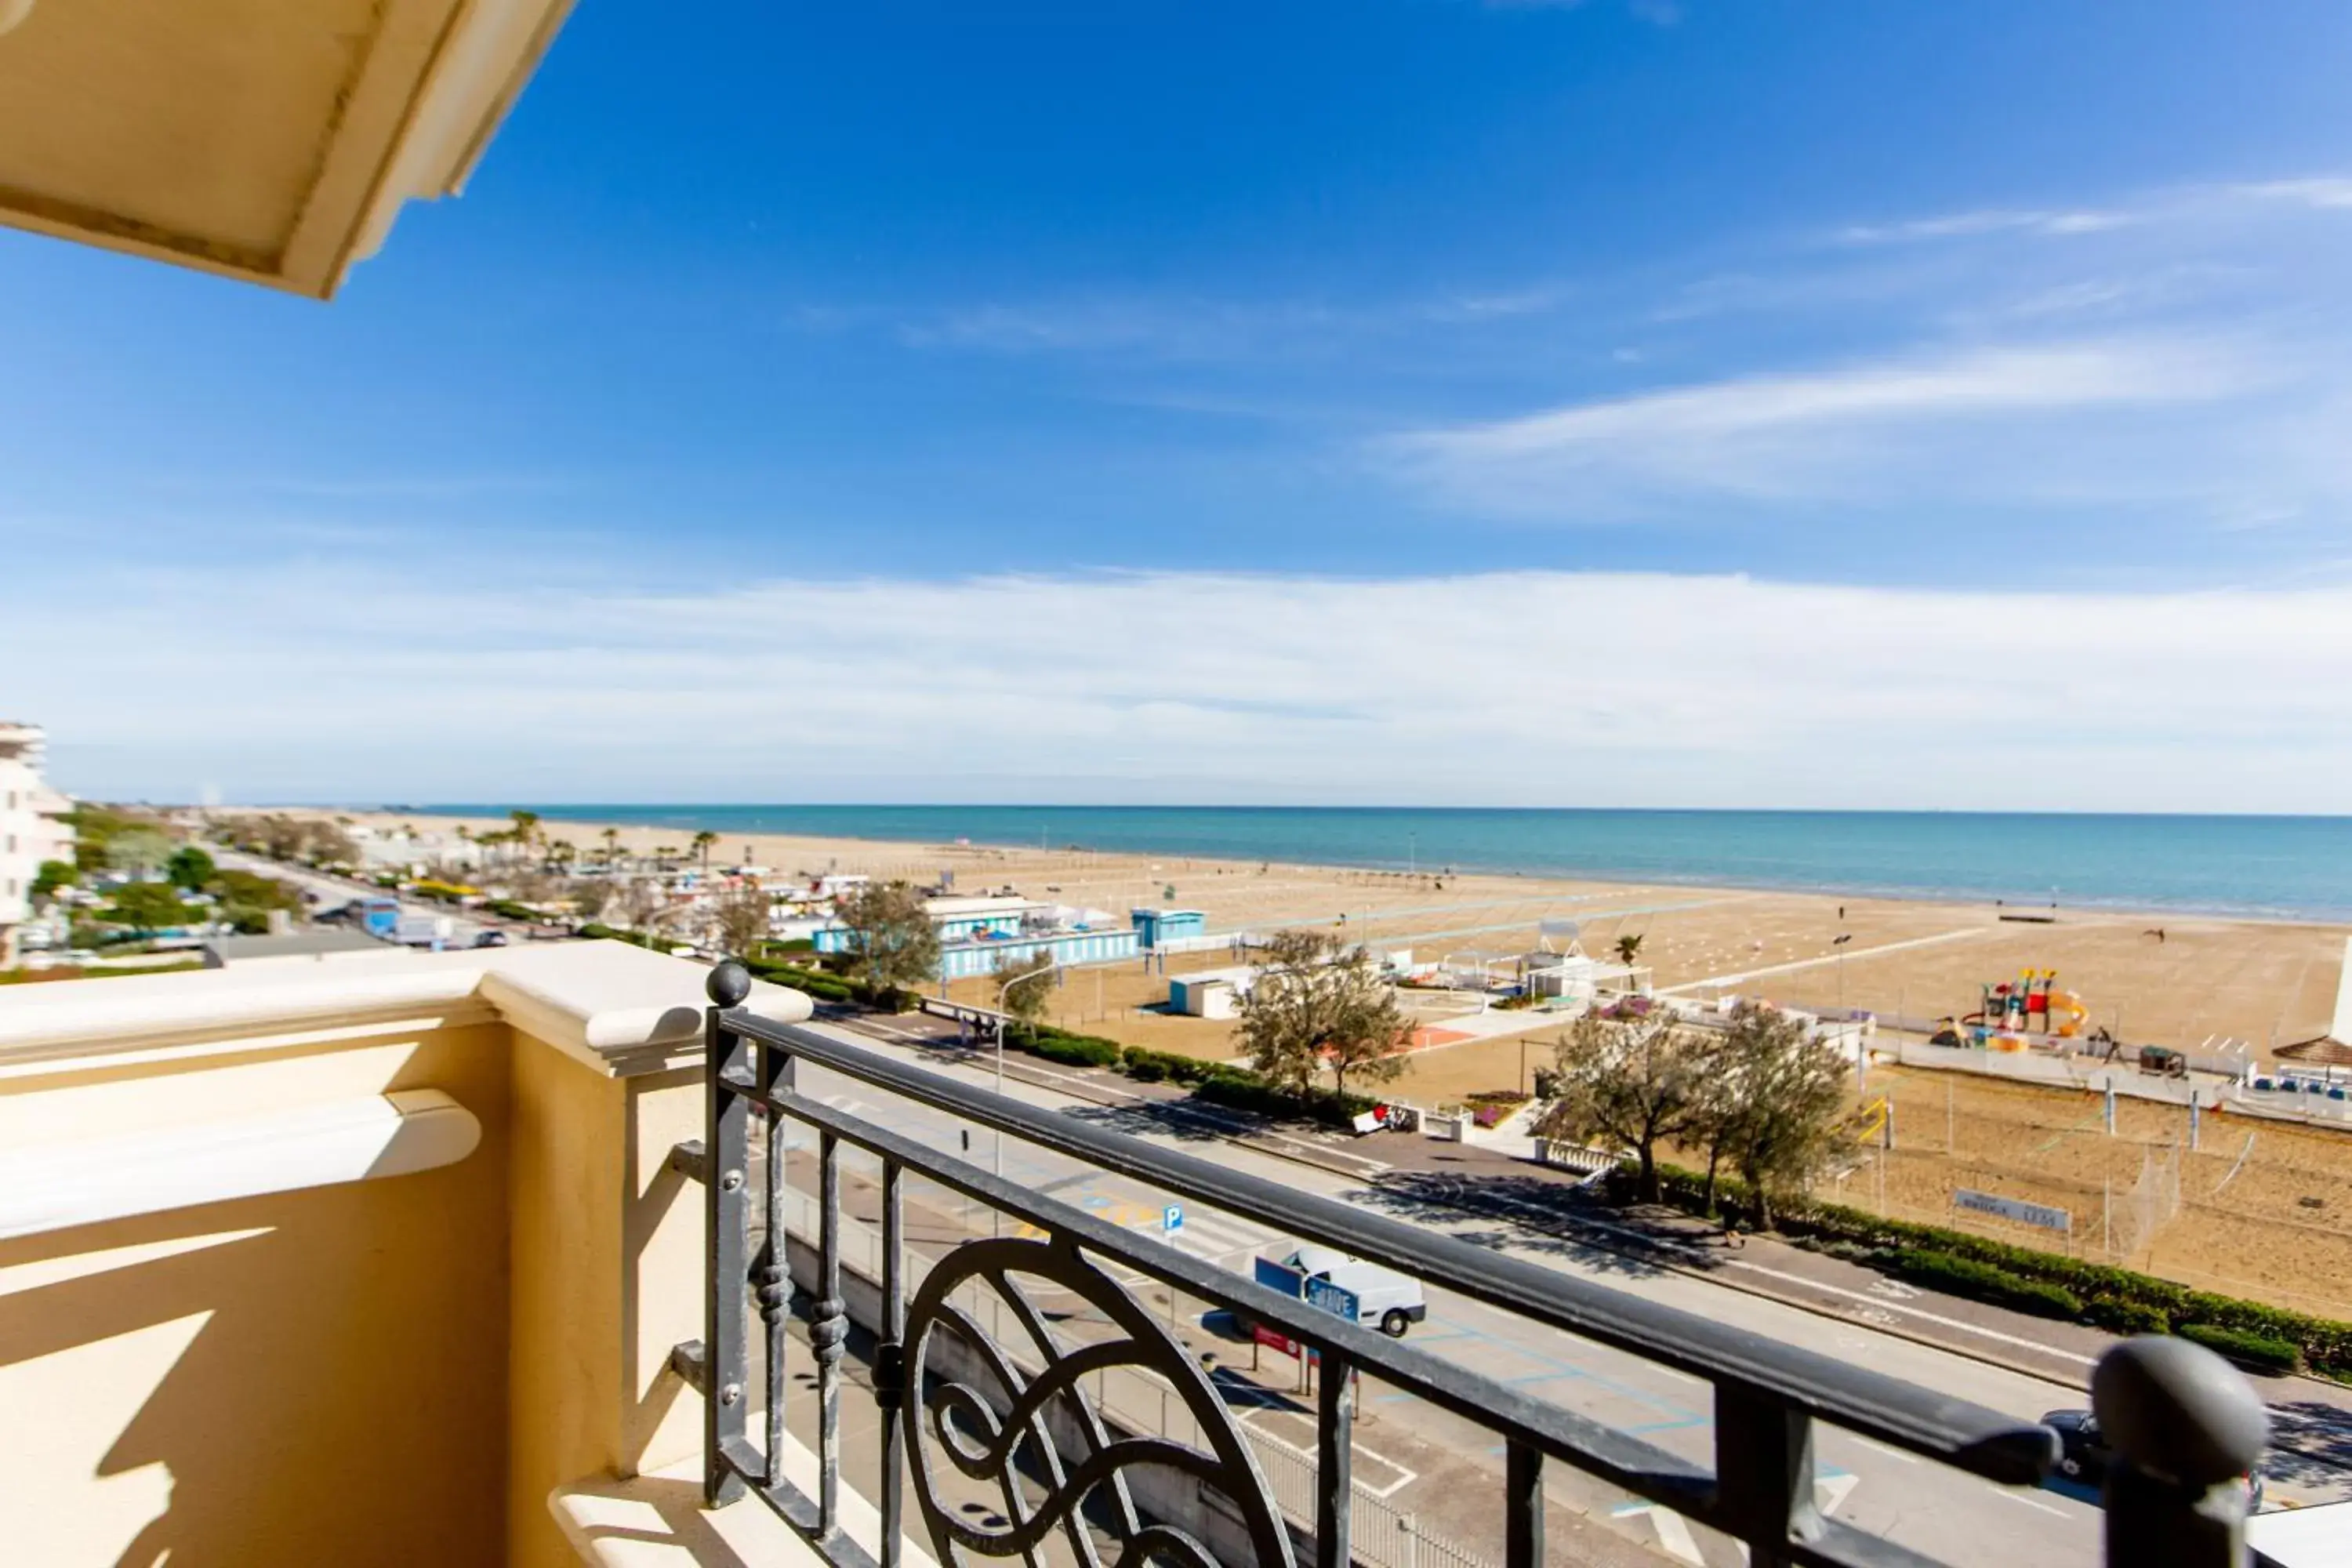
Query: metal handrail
[
  {"x": 1968, "y": 1436},
  {"x": 1767, "y": 1394}
]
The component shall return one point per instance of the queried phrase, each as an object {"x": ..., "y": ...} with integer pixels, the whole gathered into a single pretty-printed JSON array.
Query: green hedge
[
  {"x": 1147, "y": 1066},
  {"x": 1245, "y": 1090},
  {"x": 1061, "y": 1045},
  {"x": 2119, "y": 1300},
  {"x": 2121, "y": 1317},
  {"x": 1983, "y": 1282},
  {"x": 2256, "y": 1350}
]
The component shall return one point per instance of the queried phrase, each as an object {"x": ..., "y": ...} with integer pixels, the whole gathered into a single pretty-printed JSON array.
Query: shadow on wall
[{"x": 303, "y": 1378}]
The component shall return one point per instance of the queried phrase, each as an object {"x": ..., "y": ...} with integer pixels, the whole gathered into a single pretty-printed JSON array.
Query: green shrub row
[
  {"x": 1983, "y": 1282},
  {"x": 831, "y": 987},
  {"x": 2121, "y": 1300},
  {"x": 1219, "y": 1083},
  {"x": 1061, "y": 1045},
  {"x": 2256, "y": 1350}
]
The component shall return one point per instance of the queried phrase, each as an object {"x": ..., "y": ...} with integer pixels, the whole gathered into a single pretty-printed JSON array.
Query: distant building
[
  {"x": 30, "y": 831},
  {"x": 979, "y": 930},
  {"x": 1160, "y": 928},
  {"x": 960, "y": 960},
  {"x": 978, "y": 918},
  {"x": 1211, "y": 993}
]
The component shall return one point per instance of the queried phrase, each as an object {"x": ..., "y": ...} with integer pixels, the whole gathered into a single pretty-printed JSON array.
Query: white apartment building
[{"x": 30, "y": 832}]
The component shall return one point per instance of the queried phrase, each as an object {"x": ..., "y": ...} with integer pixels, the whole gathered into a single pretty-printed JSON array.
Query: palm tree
[
  {"x": 702, "y": 843},
  {"x": 1628, "y": 947},
  {"x": 612, "y": 837},
  {"x": 526, "y": 828}
]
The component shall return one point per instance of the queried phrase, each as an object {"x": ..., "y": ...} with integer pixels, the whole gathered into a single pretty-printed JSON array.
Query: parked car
[
  {"x": 489, "y": 939},
  {"x": 2084, "y": 1454},
  {"x": 1382, "y": 1297}
]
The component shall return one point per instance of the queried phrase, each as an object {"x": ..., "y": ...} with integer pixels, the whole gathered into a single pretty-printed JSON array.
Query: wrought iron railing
[{"x": 994, "y": 1407}]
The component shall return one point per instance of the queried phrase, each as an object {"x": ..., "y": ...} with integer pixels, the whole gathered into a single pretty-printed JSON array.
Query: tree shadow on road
[
  {"x": 1534, "y": 1213},
  {"x": 2311, "y": 1443},
  {"x": 1170, "y": 1118}
]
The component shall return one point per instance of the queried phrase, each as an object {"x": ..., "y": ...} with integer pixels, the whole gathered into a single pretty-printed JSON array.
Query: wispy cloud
[
  {"x": 1723, "y": 690},
  {"x": 1817, "y": 434},
  {"x": 1197, "y": 329},
  {"x": 2178, "y": 205},
  {"x": 1963, "y": 224},
  {"x": 2333, "y": 191}
]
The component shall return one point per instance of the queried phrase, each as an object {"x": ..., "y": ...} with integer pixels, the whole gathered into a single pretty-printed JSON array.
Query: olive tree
[
  {"x": 1635, "y": 1082},
  {"x": 738, "y": 918},
  {"x": 1314, "y": 1003},
  {"x": 890, "y": 933},
  {"x": 1784, "y": 1097},
  {"x": 1024, "y": 984}
]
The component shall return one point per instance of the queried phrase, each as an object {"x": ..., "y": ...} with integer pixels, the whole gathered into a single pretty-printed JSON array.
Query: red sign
[{"x": 1274, "y": 1340}]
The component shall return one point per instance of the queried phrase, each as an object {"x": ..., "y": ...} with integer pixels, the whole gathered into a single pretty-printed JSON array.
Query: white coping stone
[
  {"x": 657, "y": 1521},
  {"x": 610, "y": 1005},
  {"x": 310, "y": 1146}
]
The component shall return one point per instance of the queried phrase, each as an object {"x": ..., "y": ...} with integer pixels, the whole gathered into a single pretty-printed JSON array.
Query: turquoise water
[{"x": 2267, "y": 866}]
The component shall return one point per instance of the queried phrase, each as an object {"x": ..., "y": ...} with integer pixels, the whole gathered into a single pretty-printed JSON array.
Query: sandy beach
[
  {"x": 2265, "y": 1212},
  {"x": 2263, "y": 982}
]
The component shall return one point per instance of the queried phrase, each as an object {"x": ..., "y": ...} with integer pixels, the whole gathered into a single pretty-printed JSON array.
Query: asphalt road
[{"x": 1949, "y": 1516}]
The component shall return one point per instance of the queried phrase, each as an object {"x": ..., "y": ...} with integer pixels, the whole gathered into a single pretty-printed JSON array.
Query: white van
[{"x": 1384, "y": 1298}]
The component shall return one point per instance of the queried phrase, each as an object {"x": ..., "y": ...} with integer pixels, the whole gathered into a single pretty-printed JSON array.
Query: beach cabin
[
  {"x": 1211, "y": 993},
  {"x": 968, "y": 919},
  {"x": 982, "y": 954},
  {"x": 1161, "y": 928}
]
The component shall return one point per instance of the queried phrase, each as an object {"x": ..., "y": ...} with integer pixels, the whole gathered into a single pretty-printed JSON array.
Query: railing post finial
[
  {"x": 728, "y": 985},
  {"x": 2184, "y": 1425}
]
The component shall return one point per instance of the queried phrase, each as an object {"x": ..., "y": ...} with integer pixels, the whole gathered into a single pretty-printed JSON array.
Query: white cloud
[
  {"x": 2207, "y": 204},
  {"x": 2322, "y": 194},
  {"x": 1842, "y": 434},
  {"x": 1505, "y": 688},
  {"x": 1964, "y": 225}
]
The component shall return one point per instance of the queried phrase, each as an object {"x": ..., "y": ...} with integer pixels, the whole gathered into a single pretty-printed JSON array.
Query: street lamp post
[{"x": 1045, "y": 968}]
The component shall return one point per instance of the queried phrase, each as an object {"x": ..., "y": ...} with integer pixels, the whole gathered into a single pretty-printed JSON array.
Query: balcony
[{"x": 543, "y": 1255}]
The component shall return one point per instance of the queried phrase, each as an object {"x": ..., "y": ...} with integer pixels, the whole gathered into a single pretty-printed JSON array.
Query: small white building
[
  {"x": 1209, "y": 993},
  {"x": 30, "y": 828},
  {"x": 1579, "y": 977}
]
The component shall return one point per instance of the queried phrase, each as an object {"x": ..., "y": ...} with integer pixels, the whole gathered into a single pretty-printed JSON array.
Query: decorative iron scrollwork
[{"x": 970, "y": 1407}]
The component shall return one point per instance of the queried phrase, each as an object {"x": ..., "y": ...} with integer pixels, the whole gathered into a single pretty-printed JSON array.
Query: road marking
[
  {"x": 1406, "y": 1475},
  {"x": 2045, "y": 1507},
  {"x": 1882, "y": 1305},
  {"x": 1831, "y": 1491},
  {"x": 1674, "y": 1530},
  {"x": 1746, "y": 974},
  {"x": 1890, "y": 1451}
]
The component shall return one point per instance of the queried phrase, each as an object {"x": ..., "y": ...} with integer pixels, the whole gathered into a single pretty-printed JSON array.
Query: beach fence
[{"x": 1591, "y": 1164}]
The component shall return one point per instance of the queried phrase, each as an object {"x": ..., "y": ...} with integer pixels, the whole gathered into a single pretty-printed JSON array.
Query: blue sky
[{"x": 1250, "y": 402}]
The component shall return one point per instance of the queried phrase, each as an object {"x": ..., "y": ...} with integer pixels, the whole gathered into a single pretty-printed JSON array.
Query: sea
[{"x": 2263, "y": 867}]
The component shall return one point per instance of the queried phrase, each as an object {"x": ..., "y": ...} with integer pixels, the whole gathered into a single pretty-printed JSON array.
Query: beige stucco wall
[
  {"x": 399, "y": 1370},
  {"x": 307, "y": 1377},
  {"x": 608, "y": 1256}
]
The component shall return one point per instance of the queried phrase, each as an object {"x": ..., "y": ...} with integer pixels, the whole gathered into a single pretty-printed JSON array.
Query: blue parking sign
[{"x": 1172, "y": 1218}]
